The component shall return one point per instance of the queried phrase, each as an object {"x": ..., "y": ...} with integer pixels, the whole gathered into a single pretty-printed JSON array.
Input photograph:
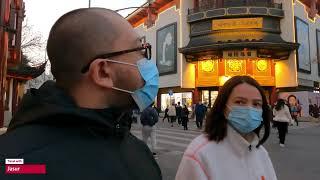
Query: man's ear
[{"x": 101, "y": 74}]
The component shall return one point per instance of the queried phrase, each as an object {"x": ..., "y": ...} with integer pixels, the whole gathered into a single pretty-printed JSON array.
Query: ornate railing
[{"x": 203, "y": 8}]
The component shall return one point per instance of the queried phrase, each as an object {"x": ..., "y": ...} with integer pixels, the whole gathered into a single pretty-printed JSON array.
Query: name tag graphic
[
  {"x": 17, "y": 166},
  {"x": 14, "y": 161}
]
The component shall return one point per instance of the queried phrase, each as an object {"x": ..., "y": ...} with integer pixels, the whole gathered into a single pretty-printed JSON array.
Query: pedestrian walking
[
  {"x": 78, "y": 125},
  {"x": 157, "y": 110},
  {"x": 179, "y": 111},
  {"x": 185, "y": 117},
  {"x": 311, "y": 110},
  {"x": 200, "y": 111},
  {"x": 282, "y": 118},
  {"x": 315, "y": 111},
  {"x": 230, "y": 147},
  {"x": 149, "y": 118},
  {"x": 166, "y": 116},
  {"x": 172, "y": 113}
]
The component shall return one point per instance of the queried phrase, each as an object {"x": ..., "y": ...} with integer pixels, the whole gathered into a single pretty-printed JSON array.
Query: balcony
[{"x": 214, "y": 10}]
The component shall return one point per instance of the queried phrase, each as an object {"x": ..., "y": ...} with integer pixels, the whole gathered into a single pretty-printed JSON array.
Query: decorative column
[{"x": 4, "y": 20}]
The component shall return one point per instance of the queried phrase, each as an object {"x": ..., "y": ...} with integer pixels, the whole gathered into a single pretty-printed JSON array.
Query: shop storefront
[
  {"x": 208, "y": 97},
  {"x": 223, "y": 48},
  {"x": 185, "y": 98}
]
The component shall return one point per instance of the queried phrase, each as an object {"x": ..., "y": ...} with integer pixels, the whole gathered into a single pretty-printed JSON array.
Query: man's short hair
[{"x": 76, "y": 38}]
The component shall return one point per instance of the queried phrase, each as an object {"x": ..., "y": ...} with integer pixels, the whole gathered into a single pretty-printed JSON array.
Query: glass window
[
  {"x": 205, "y": 97},
  {"x": 214, "y": 95},
  {"x": 183, "y": 98}
]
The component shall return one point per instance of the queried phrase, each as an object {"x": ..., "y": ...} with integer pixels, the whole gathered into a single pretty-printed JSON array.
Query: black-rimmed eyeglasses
[{"x": 146, "y": 51}]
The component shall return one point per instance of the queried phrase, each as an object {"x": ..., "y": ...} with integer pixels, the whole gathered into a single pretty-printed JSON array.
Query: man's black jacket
[{"x": 74, "y": 143}]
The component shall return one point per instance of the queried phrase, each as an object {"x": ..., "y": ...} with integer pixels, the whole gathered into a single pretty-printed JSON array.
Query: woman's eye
[
  {"x": 240, "y": 102},
  {"x": 257, "y": 105}
]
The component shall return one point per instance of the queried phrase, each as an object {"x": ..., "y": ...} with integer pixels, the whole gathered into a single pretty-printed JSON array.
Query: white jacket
[
  {"x": 230, "y": 159},
  {"x": 283, "y": 115},
  {"x": 172, "y": 111}
]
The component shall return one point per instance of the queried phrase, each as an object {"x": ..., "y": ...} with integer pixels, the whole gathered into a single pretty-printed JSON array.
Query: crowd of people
[{"x": 176, "y": 112}]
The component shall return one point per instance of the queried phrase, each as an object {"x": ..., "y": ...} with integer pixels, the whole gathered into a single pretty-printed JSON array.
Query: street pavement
[{"x": 299, "y": 160}]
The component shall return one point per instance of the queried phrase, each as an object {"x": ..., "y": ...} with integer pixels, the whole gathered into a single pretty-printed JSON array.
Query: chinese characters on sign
[{"x": 238, "y": 23}]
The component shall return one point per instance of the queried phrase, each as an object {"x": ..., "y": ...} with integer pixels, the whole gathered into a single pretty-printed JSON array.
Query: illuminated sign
[
  {"x": 238, "y": 23},
  {"x": 235, "y": 65},
  {"x": 207, "y": 66},
  {"x": 262, "y": 65}
]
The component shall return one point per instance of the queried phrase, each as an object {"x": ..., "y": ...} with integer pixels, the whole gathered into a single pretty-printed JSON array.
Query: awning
[
  {"x": 267, "y": 44},
  {"x": 25, "y": 72}
]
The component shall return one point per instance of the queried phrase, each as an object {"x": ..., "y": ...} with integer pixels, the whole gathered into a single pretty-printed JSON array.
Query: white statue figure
[{"x": 166, "y": 42}]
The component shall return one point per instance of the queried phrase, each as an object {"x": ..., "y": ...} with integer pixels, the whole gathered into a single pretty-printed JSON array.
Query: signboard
[
  {"x": 303, "y": 53},
  {"x": 170, "y": 92},
  {"x": 238, "y": 23}
]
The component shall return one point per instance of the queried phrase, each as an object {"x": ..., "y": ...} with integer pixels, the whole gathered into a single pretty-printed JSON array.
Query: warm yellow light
[
  {"x": 223, "y": 79},
  {"x": 207, "y": 66},
  {"x": 262, "y": 65},
  {"x": 235, "y": 65}
]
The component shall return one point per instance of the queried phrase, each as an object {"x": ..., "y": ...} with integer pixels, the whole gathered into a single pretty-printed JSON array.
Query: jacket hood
[{"x": 52, "y": 105}]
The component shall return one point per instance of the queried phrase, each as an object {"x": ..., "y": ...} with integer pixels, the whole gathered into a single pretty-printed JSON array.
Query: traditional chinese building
[
  {"x": 199, "y": 44},
  {"x": 13, "y": 71}
]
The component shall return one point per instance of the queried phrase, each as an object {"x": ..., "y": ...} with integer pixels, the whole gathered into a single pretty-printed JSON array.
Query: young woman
[
  {"x": 172, "y": 113},
  {"x": 231, "y": 146},
  {"x": 282, "y": 117}
]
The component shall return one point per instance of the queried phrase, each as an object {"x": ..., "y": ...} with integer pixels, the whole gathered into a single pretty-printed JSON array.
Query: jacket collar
[
  {"x": 240, "y": 145},
  {"x": 51, "y": 105}
]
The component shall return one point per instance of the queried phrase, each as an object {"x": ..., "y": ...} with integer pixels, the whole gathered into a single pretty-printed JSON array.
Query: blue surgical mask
[
  {"x": 245, "y": 119},
  {"x": 145, "y": 96}
]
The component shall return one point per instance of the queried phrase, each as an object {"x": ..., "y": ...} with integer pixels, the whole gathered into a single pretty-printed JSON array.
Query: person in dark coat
[
  {"x": 315, "y": 111},
  {"x": 166, "y": 116},
  {"x": 78, "y": 126},
  {"x": 311, "y": 110},
  {"x": 179, "y": 111},
  {"x": 149, "y": 117},
  {"x": 200, "y": 112},
  {"x": 185, "y": 118}
]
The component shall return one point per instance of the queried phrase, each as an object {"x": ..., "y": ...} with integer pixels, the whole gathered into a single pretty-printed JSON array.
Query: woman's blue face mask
[{"x": 244, "y": 119}]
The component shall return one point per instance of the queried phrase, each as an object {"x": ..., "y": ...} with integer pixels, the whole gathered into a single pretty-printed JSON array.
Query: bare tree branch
[
  {"x": 32, "y": 43},
  {"x": 33, "y": 47}
]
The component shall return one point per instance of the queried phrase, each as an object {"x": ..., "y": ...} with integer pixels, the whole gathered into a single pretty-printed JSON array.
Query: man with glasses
[{"x": 79, "y": 125}]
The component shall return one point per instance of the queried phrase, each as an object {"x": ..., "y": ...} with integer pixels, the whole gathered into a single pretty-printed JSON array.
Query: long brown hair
[{"x": 216, "y": 122}]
